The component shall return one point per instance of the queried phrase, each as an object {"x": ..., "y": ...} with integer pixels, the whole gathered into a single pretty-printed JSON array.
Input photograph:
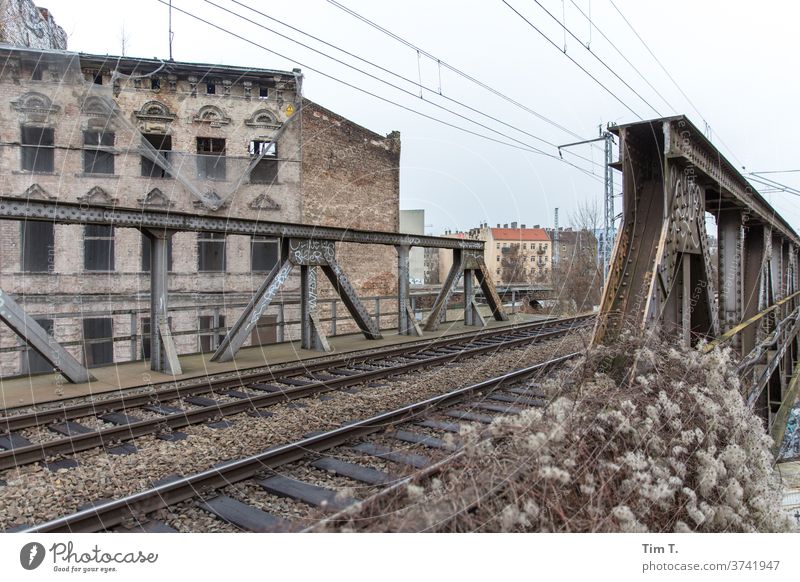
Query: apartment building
[{"x": 205, "y": 139}]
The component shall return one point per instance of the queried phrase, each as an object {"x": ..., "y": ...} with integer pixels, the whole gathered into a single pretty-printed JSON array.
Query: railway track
[
  {"x": 367, "y": 456},
  {"x": 112, "y": 423}
]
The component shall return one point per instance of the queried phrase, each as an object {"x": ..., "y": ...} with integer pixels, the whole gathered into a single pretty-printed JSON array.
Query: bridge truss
[{"x": 665, "y": 273}]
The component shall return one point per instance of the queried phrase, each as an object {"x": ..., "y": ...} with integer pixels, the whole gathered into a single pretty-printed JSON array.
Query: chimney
[
  {"x": 522, "y": 226},
  {"x": 505, "y": 225},
  {"x": 498, "y": 225},
  {"x": 535, "y": 226},
  {"x": 513, "y": 225}
]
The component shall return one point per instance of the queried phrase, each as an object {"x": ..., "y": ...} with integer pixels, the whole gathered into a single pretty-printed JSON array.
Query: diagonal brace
[
  {"x": 238, "y": 334},
  {"x": 369, "y": 327},
  {"x": 443, "y": 298},
  {"x": 39, "y": 340}
]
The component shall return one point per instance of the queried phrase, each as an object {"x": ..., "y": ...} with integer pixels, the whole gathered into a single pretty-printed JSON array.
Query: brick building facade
[{"x": 206, "y": 139}]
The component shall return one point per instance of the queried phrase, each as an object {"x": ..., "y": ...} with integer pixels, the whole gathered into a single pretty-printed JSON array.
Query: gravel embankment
[{"x": 34, "y": 494}]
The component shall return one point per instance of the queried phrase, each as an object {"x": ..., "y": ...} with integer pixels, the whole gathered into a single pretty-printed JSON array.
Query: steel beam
[
  {"x": 257, "y": 306},
  {"x": 312, "y": 337},
  {"x": 369, "y": 327},
  {"x": 406, "y": 325},
  {"x": 730, "y": 236},
  {"x": 163, "y": 354},
  {"x": 448, "y": 287},
  {"x": 14, "y": 208},
  {"x": 490, "y": 291},
  {"x": 40, "y": 341}
]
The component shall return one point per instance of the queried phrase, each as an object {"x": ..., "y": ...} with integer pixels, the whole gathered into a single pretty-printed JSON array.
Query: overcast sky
[{"x": 736, "y": 61}]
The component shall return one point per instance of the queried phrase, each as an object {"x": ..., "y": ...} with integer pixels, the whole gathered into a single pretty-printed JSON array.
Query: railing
[{"x": 337, "y": 318}]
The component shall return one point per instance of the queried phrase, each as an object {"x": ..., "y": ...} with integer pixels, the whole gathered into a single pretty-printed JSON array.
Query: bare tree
[
  {"x": 578, "y": 275},
  {"x": 513, "y": 265}
]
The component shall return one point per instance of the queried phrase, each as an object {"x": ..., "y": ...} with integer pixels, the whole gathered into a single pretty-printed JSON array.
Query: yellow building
[{"x": 513, "y": 254}]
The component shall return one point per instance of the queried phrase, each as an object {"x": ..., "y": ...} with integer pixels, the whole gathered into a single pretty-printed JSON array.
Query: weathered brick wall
[{"x": 351, "y": 178}]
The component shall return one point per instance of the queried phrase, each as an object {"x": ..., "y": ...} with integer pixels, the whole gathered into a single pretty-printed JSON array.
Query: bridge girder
[{"x": 662, "y": 275}]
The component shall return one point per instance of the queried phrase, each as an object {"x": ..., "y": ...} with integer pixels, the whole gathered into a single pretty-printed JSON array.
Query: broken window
[
  {"x": 266, "y": 170},
  {"x": 98, "y": 345},
  {"x": 263, "y": 253},
  {"x": 163, "y": 145},
  {"x": 36, "y": 71},
  {"x": 211, "y": 88},
  {"x": 211, "y": 251},
  {"x": 37, "y": 248},
  {"x": 155, "y": 83},
  {"x": 210, "y": 337},
  {"x": 32, "y": 361},
  {"x": 263, "y": 92},
  {"x": 146, "y": 243},
  {"x": 98, "y": 247},
  {"x": 98, "y": 156},
  {"x": 37, "y": 148},
  {"x": 211, "y": 158}
]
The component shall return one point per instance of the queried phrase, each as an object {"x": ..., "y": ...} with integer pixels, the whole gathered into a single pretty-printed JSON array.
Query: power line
[
  {"x": 674, "y": 82},
  {"x": 526, "y": 145},
  {"x": 529, "y": 149},
  {"x": 576, "y": 63},
  {"x": 449, "y": 67},
  {"x": 384, "y": 69},
  {"x": 591, "y": 52},
  {"x": 620, "y": 53}
]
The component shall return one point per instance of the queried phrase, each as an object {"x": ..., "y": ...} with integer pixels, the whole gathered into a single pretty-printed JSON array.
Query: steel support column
[
  {"x": 489, "y": 290},
  {"x": 163, "y": 354},
  {"x": 753, "y": 261},
  {"x": 406, "y": 321},
  {"x": 40, "y": 341},
  {"x": 730, "y": 236},
  {"x": 312, "y": 337}
]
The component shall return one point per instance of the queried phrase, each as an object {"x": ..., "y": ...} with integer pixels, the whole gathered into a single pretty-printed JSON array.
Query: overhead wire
[
  {"x": 592, "y": 25},
  {"x": 674, "y": 82},
  {"x": 576, "y": 63},
  {"x": 454, "y": 69},
  {"x": 528, "y": 148},
  {"x": 596, "y": 56},
  {"x": 383, "y": 69}
]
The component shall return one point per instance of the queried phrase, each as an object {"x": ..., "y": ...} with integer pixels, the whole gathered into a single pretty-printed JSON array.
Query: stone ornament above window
[
  {"x": 212, "y": 115},
  {"x": 36, "y": 191},
  {"x": 264, "y": 202},
  {"x": 98, "y": 197},
  {"x": 94, "y": 105},
  {"x": 36, "y": 107},
  {"x": 33, "y": 102},
  {"x": 263, "y": 118},
  {"x": 155, "y": 199},
  {"x": 155, "y": 111}
]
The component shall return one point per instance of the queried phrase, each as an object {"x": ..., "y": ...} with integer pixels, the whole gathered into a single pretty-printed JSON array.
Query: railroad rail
[
  {"x": 509, "y": 393},
  {"x": 173, "y": 407}
]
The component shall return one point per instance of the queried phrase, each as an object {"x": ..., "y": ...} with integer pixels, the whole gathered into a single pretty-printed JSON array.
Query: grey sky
[{"x": 735, "y": 60}]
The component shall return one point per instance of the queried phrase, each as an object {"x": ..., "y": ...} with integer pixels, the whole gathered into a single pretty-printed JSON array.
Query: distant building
[
  {"x": 530, "y": 248},
  {"x": 573, "y": 244},
  {"x": 413, "y": 222},
  {"x": 513, "y": 254}
]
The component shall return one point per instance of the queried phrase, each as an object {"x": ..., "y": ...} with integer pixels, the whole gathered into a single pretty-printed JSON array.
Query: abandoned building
[{"x": 212, "y": 140}]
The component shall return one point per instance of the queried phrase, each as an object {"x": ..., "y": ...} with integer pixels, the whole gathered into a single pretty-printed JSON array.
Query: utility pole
[
  {"x": 555, "y": 237},
  {"x": 608, "y": 195}
]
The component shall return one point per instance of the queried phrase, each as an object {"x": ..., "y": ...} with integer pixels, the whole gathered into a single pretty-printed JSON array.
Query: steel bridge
[
  {"x": 308, "y": 247},
  {"x": 664, "y": 276}
]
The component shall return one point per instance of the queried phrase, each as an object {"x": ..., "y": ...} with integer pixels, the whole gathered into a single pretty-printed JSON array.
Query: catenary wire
[
  {"x": 526, "y": 148},
  {"x": 576, "y": 63}
]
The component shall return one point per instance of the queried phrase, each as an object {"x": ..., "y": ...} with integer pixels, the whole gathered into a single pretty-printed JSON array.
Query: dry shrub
[{"x": 636, "y": 438}]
